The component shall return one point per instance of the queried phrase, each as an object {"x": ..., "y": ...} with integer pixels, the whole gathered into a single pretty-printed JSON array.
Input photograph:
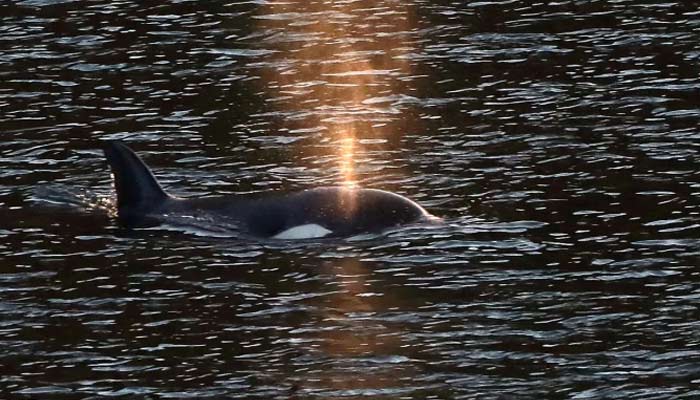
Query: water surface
[{"x": 558, "y": 141}]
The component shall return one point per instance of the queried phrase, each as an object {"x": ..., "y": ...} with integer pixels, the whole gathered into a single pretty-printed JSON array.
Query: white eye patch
[{"x": 308, "y": 231}]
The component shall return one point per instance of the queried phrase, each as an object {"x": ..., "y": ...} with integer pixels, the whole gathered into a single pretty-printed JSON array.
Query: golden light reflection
[
  {"x": 335, "y": 69},
  {"x": 352, "y": 331},
  {"x": 347, "y": 159},
  {"x": 332, "y": 58}
]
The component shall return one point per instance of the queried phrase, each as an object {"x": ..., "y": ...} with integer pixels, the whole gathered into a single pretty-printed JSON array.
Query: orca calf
[{"x": 313, "y": 213}]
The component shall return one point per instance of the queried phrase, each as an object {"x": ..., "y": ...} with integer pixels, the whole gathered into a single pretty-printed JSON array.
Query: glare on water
[{"x": 557, "y": 140}]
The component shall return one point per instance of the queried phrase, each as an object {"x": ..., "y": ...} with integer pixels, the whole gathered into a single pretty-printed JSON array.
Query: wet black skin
[{"x": 344, "y": 211}]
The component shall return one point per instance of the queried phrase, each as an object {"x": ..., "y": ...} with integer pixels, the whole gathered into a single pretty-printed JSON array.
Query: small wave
[{"x": 57, "y": 195}]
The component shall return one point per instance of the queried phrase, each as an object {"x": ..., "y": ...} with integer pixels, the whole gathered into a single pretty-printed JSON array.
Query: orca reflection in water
[{"x": 313, "y": 213}]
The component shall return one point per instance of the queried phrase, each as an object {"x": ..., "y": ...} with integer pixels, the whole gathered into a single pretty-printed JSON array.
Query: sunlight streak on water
[
  {"x": 558, "y": 140},
  {"x": 347, "y": 168},
  {"x": 332, "y": 57}
]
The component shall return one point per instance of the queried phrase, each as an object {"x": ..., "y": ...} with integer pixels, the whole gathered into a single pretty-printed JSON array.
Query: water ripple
[{"x": 558, "y": 141}]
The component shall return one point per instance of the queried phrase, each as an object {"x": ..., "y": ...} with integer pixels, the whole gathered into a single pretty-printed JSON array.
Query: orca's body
[{"x": 313, "y": 213}]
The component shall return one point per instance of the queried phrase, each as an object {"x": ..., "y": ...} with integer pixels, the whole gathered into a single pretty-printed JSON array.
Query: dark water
[{"x": 559, "y": 141}]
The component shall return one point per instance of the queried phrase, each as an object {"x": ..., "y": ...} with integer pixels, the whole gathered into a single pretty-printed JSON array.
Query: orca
[{"x": 307, "y": 214}]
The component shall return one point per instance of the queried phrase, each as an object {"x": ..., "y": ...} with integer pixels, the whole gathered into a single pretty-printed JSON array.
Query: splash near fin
[{"x": 138, "y": 191}]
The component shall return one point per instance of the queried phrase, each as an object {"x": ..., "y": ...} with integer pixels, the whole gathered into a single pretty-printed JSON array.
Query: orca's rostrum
[{"x": 312, "y": 213}]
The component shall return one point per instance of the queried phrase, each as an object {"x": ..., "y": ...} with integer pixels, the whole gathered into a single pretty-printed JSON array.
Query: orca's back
[{"x": 341, "y": 211}]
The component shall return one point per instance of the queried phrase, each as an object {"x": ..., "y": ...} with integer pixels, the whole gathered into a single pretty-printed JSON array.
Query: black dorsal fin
[{"x": 138, "y": 191}]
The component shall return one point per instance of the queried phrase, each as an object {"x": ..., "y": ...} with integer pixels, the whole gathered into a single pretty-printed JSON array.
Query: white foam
[{"x": 308, "y": 231}]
